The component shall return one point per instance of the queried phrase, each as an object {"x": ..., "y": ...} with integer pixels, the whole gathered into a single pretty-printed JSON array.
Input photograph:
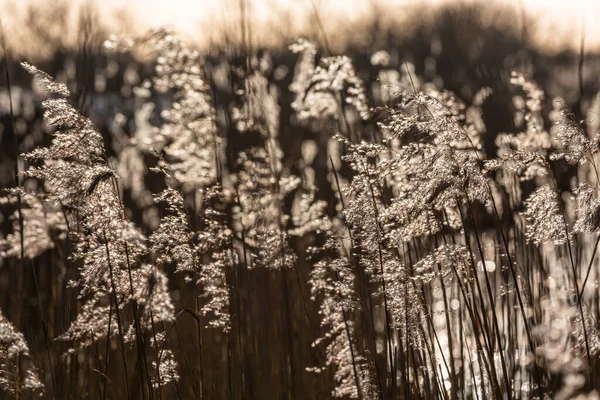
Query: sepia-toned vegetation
[{"x": 253, "y": 230}]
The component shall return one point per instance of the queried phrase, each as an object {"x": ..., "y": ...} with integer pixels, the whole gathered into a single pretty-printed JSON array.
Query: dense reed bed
[{"x": 385, "y": 254}]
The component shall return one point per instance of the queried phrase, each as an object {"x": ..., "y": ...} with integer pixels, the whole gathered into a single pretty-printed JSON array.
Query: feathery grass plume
[
  {"x": 441, "y": 163},
  {"x": 410, "y": 214},
  {"x": 303, "y": 72},
  {"x": 109, "y": 242},
  {"x": 339, "y": 354},
  {"x": 333, "y": 283},
  {"x": 76, "y": 176},
  {"x": 588, "y": 210},
  {"x": 74, "y": 162},
  {"x": 571, "y": 142},
  {"x": 428, "y": 180},
  {"x": 46, "y": 81},
  {"x": 262, "y": 184},
  {"x": 18, "y": 374},
  {"x": 364, "y": 201},
  {"x": 388, "y": 78},
  {"x": 172, "y": 241},
  {"x": 208, "y": 253},
  {"x": 190, "y": 142},
  {"x": 544, "y": 221},
  {"x": 474, "y": 117},
  {"x": 361, "y": 214},
  {"x": 154, "y": 308},
  {"x": 593, "y": 123},
  {"x": 263, "y": 220},
  {"x": 152, "y": 296},
  {"x": 529, "y": 108},
  {"x": 215, "y": 248},
  {"x": 452, "y": 259},
  {"x": 188, "y": 135},
  {"x": 522, "y": 156},
  {"x": 259, "y": 111},
  {"x": 434, "y": 116},
  {"x": 131, "y": 167},
  {"x": 166, "y": 371},
  {"x": 322, "y": 90},
  {"x": 92, "y": 323},
  {"x": 43, "y": 224},
  {"x": 524, "y": 164},
  {"x": 405, "y": 303},
  {"x": 464, "y": 123},
  {"x": 109, "y": 247},
  {"x": 310, "y": 215}
]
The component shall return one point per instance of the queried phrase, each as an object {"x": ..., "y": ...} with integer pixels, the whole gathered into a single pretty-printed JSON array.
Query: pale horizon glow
[{"x": 552, "y": 25}]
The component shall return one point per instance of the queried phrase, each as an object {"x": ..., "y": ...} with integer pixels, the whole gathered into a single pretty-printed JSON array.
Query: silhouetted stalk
[
  {"x": 159, "y": 357},
  {"x": 471, "y": 368},
  {"x": 321, "y": 27},
  {"x": 427, "y": 381},
  {"x": 159, "y": 345},
  {"x": 98, "y": 367},
  {"x": 107, "y": 353},
  {"x": 199, "y": 349},
  {"x": 175, "y": 382},
  {"x": 581, "y": 61},
  {"x": 420, "y": 391},
  {"x": 275, "y": 175},
  {"x": 43, "y": 320},
  {"x": 589, "y": 268},
  {"x": 119, "y": 325},
  {"x": 406, "y": 323},
  {"x": 235, "y": 296},
  {"x": 431, "y": 352},
  {"x": 463, "y": 380},
  {"x": 185, "y": 356},
  {"x": 141, "y": 348}
]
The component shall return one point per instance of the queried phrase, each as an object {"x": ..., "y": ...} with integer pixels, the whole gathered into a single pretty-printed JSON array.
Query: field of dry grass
[{"x": 416, "y": 220}]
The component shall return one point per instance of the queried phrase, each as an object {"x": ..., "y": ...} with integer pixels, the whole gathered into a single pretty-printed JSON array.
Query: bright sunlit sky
[{"x": 558, "y": 22}]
